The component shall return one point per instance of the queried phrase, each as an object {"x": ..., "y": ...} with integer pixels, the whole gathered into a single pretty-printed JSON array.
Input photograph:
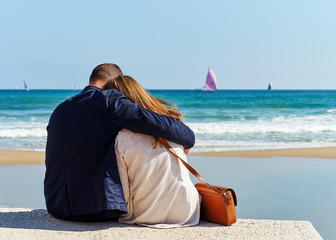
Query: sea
[{"x": 225, "y": 120}]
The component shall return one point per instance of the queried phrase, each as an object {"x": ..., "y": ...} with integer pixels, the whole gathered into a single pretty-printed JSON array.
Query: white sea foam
[
  {"x": 331, "y": 111},
  {"x": 292, "y": 124},
  {"x": 22, "y": 133},
  {"x": 266, "y": 133},
  {"x": 12, "y": 128},
  {"x": 244, "y": 134}
]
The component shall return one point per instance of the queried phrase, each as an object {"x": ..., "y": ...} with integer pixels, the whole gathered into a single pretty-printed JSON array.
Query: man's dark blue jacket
[{"x": 81, "y": 171}]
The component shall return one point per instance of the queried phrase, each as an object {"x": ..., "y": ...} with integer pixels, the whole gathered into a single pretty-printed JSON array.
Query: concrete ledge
[{"x": 21, "y": 223}]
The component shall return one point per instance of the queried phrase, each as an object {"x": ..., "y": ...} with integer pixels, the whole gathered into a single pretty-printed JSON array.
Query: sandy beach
[
  {"x": 18, "y": 157},
  {"x": 21, "y": 157}
]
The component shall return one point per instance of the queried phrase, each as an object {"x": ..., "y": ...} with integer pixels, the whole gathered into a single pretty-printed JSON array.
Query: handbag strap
[
  {"x": 195, "y": 173},
  {"x": 190, "y": 168}
]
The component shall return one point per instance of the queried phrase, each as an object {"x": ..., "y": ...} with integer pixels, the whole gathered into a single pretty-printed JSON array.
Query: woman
[{"x": 157, "y": 187}]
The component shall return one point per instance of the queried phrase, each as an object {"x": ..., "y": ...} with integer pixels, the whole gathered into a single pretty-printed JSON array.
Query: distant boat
[
  {"x": 25, "y": 86},
  {"x": 210, "y": 82},
  {"x": 74, "y": 88},
  {"x": 269, "y": 87}
]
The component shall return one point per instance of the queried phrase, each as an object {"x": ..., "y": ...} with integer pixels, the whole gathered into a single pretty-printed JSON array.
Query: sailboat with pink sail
[{"x": 211, "y": 82}]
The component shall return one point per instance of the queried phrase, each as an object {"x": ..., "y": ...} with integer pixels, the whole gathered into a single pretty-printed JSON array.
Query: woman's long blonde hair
[{"x": 137, "y": 94}]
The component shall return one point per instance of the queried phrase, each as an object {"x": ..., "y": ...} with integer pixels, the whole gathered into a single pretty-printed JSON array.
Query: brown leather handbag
[{"x": 218, "y": 203}]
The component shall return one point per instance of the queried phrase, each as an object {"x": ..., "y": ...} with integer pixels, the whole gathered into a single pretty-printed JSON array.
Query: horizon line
[{"x": 229, "y": 89}]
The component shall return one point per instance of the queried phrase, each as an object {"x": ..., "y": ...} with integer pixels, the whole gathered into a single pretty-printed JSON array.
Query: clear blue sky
[{"x": 170, "y": 44}]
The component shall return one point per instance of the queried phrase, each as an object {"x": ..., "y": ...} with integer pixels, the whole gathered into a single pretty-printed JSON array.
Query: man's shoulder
[
  {"x": 86, "y": 94},
  {"x": 90, "y": 92},
  {"x": 112, "y": 94}
]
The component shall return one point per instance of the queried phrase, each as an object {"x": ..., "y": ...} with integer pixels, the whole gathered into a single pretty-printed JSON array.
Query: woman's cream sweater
[{"x": 157, "y": 187}]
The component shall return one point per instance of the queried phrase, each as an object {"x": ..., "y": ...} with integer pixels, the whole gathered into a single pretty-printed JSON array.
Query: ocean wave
[
  {"x": 291, "y": 124},
  {"x": 23, "y": 133},
  {"x": 331, "y": 111}
]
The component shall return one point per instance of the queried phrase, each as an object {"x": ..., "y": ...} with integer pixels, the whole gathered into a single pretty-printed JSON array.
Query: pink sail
[{"x": 211, "y": 82}]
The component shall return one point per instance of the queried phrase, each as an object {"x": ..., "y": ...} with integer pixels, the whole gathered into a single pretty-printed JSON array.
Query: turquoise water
[
  {"x": 24, "y": 116},
  {"x": 223, "y": 120}
]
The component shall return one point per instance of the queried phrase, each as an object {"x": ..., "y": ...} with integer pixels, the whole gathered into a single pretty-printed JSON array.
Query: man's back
[
  {"x": 82, "y": 175},
  {"x": 79, "y": 137}
]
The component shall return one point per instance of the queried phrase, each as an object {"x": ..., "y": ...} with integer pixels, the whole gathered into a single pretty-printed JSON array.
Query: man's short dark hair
[{"x": 105, "y": 72}]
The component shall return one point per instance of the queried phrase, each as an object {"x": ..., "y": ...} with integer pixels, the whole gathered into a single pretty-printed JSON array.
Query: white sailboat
[
  {"x": 210, "y": 82},
  {"x": 25, "y": 86}
]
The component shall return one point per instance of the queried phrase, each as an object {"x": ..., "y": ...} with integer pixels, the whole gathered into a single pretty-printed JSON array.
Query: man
[{"x": 82, "y": 181}]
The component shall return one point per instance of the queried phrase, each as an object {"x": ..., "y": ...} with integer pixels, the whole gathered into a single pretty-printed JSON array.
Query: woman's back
[{"x": 157, "y": 187}]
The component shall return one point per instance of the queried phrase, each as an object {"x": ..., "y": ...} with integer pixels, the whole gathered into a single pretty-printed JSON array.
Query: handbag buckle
[{"x": 227, "y": 198}]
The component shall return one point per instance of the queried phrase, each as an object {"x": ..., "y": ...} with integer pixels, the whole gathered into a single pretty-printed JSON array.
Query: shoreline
[
  {"x": 318, "y": 152},
  {"x": 31, "y": 157}
]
